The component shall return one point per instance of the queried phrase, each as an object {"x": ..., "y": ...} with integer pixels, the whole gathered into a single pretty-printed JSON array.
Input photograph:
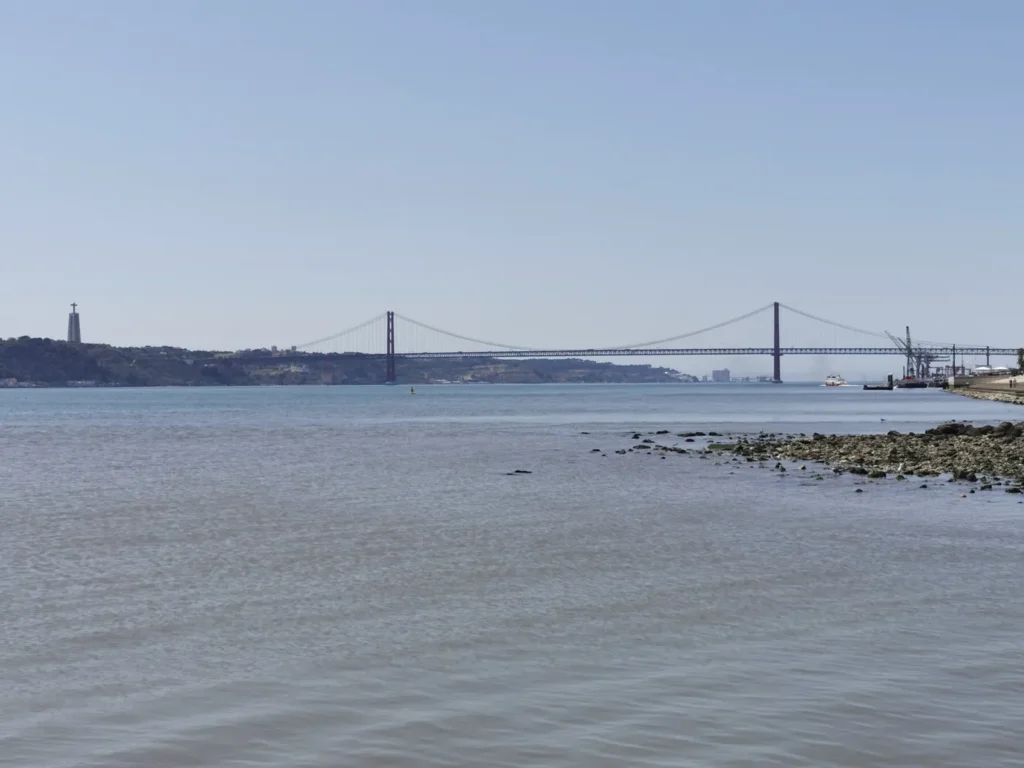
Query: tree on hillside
[{"x": 1020, "y": 360}]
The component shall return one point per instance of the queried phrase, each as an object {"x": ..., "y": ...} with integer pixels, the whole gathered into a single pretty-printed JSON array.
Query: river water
[{"x": 341, "y": 576}]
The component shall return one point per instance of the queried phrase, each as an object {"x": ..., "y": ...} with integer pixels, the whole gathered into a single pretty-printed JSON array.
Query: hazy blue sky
[{"x": 228, "y": 173}]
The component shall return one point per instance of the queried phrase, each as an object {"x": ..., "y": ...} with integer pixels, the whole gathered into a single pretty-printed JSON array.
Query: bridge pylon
[
  {"x": 389, "y": 376},
  {"x": 777, "y": 351}
]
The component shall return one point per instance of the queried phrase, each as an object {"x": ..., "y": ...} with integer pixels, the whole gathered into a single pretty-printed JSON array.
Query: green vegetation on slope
[{"x": 45, "y": 362}]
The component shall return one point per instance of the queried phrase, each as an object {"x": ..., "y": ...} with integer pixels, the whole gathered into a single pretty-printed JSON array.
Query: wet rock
[
  {"x": 962, "y": 474},
  {"x": 595, "y": 450},
  {"x": 661, "y": 432},
  {"x": 647, "y": 440},
  {"x": 636, "y": 436},
  {"x": 876, "y": 474},
  {"x": 859, "y": 490},
  {"x": 689, "y": 440},
  {"x": 1007, "y": 430},
  {"x": 1013, "y": 489},
  {"x": 953, "y": 448},
  {"x": 923, "y": 485},
  {"x": 949, "y": 429}
]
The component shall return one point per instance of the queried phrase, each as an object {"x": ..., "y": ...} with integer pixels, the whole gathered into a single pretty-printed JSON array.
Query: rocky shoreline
[
  {"x": 997, "y": 397},
  {"x": 987, "y": 455},
  {"x": 965, "y": 452}
]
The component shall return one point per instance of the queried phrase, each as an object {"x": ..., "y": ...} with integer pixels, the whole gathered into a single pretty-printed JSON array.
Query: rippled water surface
[{"x": 325, "y": 577}]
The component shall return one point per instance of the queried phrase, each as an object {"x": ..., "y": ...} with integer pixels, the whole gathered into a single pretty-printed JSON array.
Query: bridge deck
[
  {"x": 647, "y": 352},
  {"x": 711, "y": 352}
]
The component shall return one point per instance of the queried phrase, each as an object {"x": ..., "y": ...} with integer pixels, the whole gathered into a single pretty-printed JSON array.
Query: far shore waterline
[{"x": 854, "y": 386}]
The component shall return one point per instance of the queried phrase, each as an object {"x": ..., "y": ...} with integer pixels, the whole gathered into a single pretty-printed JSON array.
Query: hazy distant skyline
[{"x": 238, "y": 174}]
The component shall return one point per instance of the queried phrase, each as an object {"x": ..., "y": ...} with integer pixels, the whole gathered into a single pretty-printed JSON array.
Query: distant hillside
[{"x": 45, "y": 362}]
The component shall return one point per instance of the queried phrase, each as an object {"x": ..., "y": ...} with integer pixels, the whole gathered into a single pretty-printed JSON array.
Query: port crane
[{"x": 919, "y": 358}]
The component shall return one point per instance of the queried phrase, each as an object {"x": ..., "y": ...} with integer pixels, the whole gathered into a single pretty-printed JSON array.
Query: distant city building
[
  {"x": 722, "y": 375},
  {"x": 74, "y": 326}
]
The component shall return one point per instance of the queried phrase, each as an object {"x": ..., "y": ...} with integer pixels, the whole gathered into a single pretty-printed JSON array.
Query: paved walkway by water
[{"x": 995, "y": 389}]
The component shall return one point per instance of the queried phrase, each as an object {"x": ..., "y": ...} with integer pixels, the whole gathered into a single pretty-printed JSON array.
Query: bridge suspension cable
[
  {"x": 697, "y": 332},
  {"x": 638, "y": 346},
  {"x": 826, "y": 321},
  {"x": 877, "y": 334},
  {"x": 338, "y": 335},
  {"x": 464, "y": 338}
]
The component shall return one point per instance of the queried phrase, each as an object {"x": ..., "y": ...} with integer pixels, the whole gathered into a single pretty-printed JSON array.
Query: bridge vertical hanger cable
[
  {"x": 697, "y": 332},
  {"x": 338, "y": 335},
  {"x": 809, "y": 316},
  {"x": 369, "y": 336},
  {"x": 877, "y": 334},
  {"x": 463, "y": 338},
  {"x": 625, "y": 346}
]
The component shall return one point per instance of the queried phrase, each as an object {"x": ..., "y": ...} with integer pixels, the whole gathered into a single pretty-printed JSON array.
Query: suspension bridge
[{"x": 392, "y": 337}]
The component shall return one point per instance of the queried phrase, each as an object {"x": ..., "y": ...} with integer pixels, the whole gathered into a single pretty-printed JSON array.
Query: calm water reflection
[{"x": 347, "y": 577}]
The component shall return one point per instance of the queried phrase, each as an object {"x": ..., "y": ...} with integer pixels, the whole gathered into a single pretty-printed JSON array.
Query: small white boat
[{"x": 835, "y": 380}]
